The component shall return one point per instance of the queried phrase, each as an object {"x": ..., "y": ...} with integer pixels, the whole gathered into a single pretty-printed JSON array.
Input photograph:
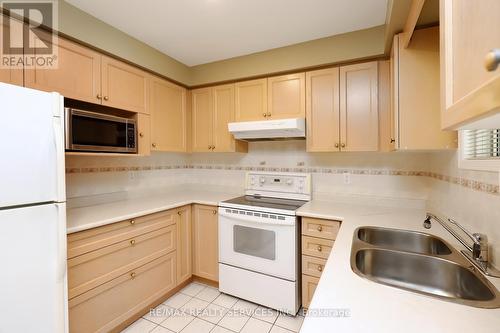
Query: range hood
[{"x": 293, "y": 128}]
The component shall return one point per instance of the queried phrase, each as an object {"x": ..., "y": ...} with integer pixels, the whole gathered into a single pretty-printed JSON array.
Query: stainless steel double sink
[{"x": 422, "y": 263}]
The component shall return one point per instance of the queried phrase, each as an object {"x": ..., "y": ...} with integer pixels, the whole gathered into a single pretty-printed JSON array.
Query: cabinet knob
[
  {"x": 141, "y": 134},
  {"x": 342, "y": 145},
  {"x": 269, "y": 114},
  {"x": 320, "y": 268},
  {"x": 320, "y": 228},
  {"x": 99, "y": 96},
  {"x": 179, "y": 213},
  {"x": 492, "y": 60},
  {"x": 336, "y": 144},
  {"x": 106, "y": 98},
  {"x": 320, "y": 248},
  {"x": 132, "y": 222},
  {"x": 132, "y": 242},
  {"x": 264, "y": 114},
  {"x": 132, "y": 275},
  {"x": 393, "y": 140},
  {"x": 154, "y": 145},
  {"x": 214, "y": 212}
]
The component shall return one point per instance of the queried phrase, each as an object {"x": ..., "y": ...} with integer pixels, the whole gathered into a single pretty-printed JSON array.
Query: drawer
[
  {"x": 107, "y": 306},
  {"x": 93, "y": 239},
  {"x": 97, "y": 267},
  {"x": 309, "y": 284},
  {"x": 320, "y": 228},
  {"x": 316, "y": 247},
  {"x": 313, "y": 266}
]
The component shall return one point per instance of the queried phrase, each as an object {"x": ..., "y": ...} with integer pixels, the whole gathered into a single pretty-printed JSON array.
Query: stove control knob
[
  {"x": 252, "y": 181},
  {"x": 262, "y": 180},
  {"x": 289, "y": 181}
]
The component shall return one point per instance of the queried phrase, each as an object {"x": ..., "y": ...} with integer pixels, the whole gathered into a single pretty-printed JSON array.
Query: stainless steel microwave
[{"x": 88, "y": 131}]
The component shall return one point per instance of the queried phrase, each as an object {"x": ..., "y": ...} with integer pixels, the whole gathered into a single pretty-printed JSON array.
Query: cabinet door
[
  {"x": 124, "y": 86},
  {"x": 223, "y": 97},
  {"x": 419, "y": 101},
  {"x": 78, "y": 75},
  {"x": 11, "y": 74},
  {"x": 251, "y": 100},
  {"x": 309, "y": 284},
  {"x": 202, "y": 115},
  {"x": 322, "y": 110},
  {"x": 205, "y": 239},
  {"x": 143, "y": 134},
  {"x": 168, "y": 116},
  {"x": 184, "y": 253},
  {"x": 359, "y": 107},
  {"x": 286, "y": 96}
]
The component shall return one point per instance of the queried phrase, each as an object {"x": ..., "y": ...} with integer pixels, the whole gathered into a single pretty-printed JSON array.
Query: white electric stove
[{"x": 259, "y": 240}]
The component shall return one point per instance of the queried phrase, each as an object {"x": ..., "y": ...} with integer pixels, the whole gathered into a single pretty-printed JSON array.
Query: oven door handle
[{"x": 258, "y": 220}]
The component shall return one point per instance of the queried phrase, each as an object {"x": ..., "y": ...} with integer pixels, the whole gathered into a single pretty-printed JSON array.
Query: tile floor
[{"x": 199, "y": 308}]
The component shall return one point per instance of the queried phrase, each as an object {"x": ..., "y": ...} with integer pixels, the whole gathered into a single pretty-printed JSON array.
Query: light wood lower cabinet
[
  {"x": 205, "y": 242},
  {"x": 318, "y": 236},
  {"x": 184, "y": 244},
  {"x": 104, "y": 308}
]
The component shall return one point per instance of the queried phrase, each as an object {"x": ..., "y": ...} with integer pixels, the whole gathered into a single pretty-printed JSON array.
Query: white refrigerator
[{"x": 33, "y": 280}]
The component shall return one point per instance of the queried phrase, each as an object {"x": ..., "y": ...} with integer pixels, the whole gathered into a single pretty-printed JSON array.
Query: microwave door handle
[{"x": 251, "y": 219}]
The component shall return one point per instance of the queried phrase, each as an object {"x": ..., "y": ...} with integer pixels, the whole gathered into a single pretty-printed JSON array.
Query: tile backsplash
[{"x": 470, "y": 197}]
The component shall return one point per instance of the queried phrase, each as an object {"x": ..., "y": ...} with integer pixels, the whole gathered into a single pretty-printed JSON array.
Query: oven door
[
  {"x": 260, "y": 242},
  {"x": 96, "y": 132}
]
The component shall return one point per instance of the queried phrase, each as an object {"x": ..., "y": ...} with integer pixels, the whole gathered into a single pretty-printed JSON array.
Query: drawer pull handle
[
  {"x": 320, "y": 268},
  {"x": 320, "y": 228},
  {"x": 132, "y": 222},
  {"x": 132, "y": 275},
  {"x": 132, "y": 242},
  {"x": 320, "y": 248}
]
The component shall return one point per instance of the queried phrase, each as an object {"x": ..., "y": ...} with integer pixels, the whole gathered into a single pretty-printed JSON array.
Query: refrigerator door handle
[{"x": 60, "y": 148}]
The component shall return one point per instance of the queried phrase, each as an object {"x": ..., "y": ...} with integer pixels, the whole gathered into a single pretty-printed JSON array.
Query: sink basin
[
  {"x": 403, "y": 240},
  {"x": 423, "y": 274}
]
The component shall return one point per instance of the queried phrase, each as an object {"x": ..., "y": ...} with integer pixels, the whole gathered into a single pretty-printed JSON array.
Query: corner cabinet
[
  {"x": 342, "y": 108},
  {"x": 470, "y": 30},
  {"x": 415, "y": 94},
  {"x": 212, "y": 109},
  {"x": 168, "y": 116},
  {"x": 205, "y": 242}
]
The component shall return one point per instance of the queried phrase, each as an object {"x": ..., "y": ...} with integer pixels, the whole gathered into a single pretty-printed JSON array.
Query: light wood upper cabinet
[
  {"x": 12, "y": 75},
  {"x": 202, "y": 118},
  {"x": 223, "y": 97},
  {"x": 212, "y": 110},
  {"x": 286, "y": 96},
  {"x": 417, "y": 99},
  {"x": 168, "y": 116},
  {"x": 359, "y": 107},
  {"x": 77, "y": 76},
  {"x": 124, "y": 86},
  {"x": 184, "y": 244},
  {"x": 322, "y": 110},
  {"x": 469, "y": 31},
  {"x": 251, "y": 100},
  {"x": 205, "y": 242},
  {"x": 143, "y": 134}
]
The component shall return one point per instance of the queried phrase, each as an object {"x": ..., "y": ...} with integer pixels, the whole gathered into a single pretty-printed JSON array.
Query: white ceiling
[{"x": 201, "y": 31}]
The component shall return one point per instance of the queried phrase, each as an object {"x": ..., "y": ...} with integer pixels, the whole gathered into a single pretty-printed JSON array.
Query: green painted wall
[{"x": 335, "y": 49}]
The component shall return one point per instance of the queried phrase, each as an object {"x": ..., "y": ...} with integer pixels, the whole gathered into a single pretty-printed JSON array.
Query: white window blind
[{"x": 481, "y": 144}]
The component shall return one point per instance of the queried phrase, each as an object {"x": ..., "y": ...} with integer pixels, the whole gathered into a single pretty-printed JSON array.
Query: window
[{"x": 480, "y": 149}]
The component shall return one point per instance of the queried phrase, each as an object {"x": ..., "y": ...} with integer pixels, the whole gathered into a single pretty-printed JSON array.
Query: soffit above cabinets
[{"x": 202, "y": 31}]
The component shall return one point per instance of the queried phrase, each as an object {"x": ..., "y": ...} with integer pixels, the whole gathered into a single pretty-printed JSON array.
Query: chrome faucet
[{"x": 477, "y": 253}]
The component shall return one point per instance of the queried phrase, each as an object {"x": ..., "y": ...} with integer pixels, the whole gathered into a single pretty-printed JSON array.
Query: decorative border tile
[{"x": 468, "y": 183}]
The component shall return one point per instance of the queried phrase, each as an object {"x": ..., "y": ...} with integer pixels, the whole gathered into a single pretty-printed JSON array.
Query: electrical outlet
[{"x": 347, "y": 178}]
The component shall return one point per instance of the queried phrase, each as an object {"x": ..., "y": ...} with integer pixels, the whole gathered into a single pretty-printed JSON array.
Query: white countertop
[
  {"x": 374, "y": 307},
  {"x": 96, "y": 212}
]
